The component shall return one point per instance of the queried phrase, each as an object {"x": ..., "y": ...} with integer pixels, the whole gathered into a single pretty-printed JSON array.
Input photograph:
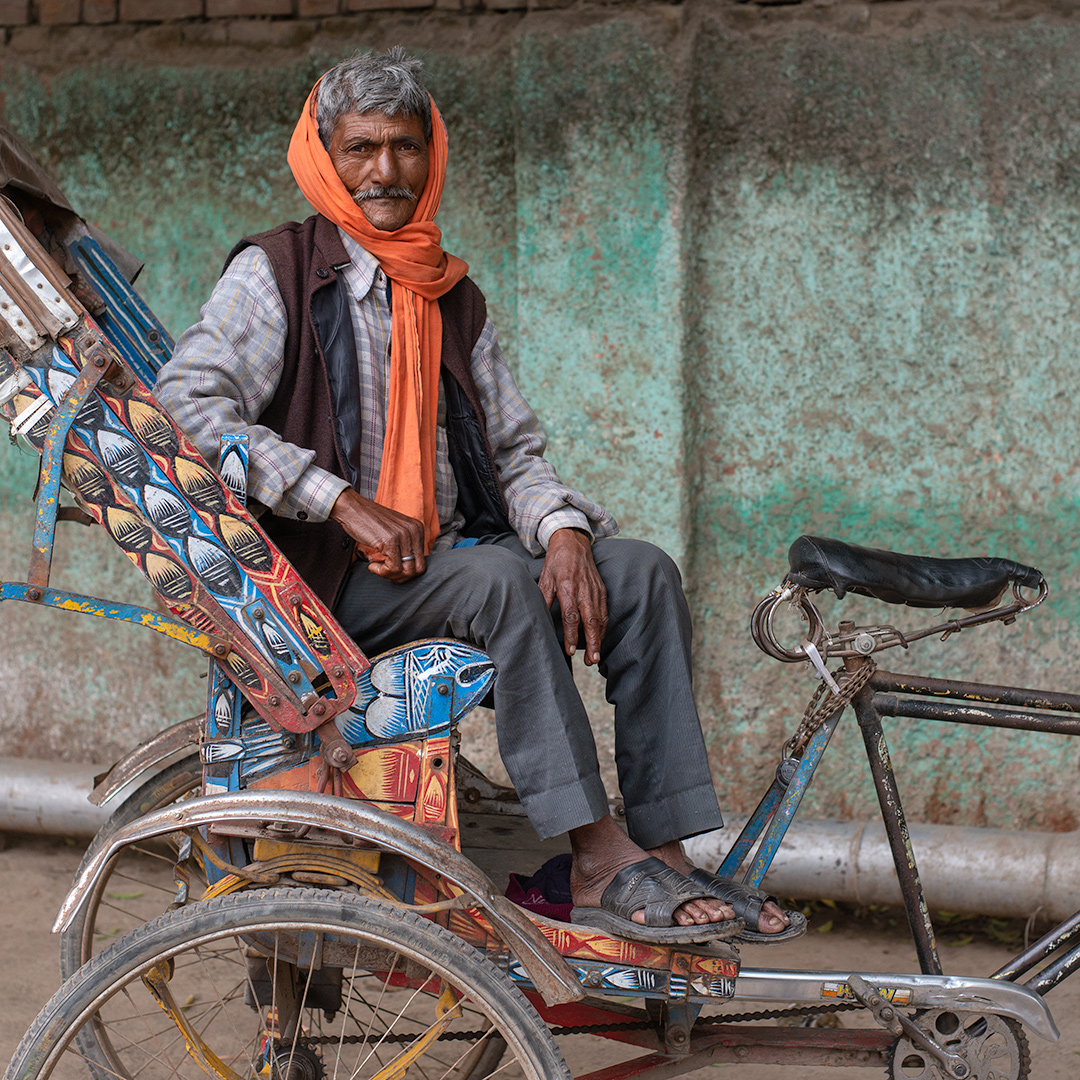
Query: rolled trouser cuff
[
  {"x": 558, "y": 810},
  {"x": 674, "y": 817}
]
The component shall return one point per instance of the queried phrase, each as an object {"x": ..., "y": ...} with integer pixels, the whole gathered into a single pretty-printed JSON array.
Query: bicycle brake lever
[{"x": 814, "y": 657}]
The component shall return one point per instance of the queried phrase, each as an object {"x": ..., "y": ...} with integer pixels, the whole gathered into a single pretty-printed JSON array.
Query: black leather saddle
[{"x": 818, "y": 563}]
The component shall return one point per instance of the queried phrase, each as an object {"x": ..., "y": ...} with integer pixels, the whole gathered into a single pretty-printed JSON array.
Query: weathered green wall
[{"x": 759, "y": 274}]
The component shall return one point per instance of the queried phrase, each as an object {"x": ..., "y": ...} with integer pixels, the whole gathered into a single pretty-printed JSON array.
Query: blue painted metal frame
[
  {"x": 91, "y": 605},
  {"x": 130, "y": 325},
  {"x": 779, "y": 810}
]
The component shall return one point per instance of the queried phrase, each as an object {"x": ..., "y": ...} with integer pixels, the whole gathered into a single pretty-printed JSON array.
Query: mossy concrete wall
[{"x": 761, "y": 272}]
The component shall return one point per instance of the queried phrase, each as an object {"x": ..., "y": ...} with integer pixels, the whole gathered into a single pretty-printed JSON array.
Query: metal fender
[
  {"x": 166, "y": 744},
  {"x": 550, "y": 973}
]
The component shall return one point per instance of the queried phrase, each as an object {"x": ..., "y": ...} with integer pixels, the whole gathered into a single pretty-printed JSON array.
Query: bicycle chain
[
  {"x": 312, "y": 1041},
  {"x": 817, "y": 711}
]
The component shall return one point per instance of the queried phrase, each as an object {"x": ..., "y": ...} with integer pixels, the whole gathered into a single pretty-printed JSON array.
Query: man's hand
[
  {"x": 570, "y": 574},
  {"x": 392, "y": 542}
]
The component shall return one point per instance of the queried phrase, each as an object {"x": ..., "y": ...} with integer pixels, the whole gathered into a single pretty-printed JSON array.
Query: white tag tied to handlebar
[{"x": 814, "y": 657}]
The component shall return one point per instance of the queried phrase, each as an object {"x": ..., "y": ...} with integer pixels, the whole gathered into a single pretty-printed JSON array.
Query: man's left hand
[{"x": 570, "y": 575}]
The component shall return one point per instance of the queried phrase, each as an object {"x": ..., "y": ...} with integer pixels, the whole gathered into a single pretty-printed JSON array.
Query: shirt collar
[{"x": 364, "y": 264}]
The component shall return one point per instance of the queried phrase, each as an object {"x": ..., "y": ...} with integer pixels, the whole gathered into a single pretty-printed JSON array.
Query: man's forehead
[{"x": 375, "y": 120}]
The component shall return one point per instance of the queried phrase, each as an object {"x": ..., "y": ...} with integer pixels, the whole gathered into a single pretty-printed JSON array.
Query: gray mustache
[{"x": 383, "y": 193}]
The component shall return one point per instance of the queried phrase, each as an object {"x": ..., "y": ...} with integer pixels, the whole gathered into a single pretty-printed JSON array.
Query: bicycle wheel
[
  {"x": 140, "y": 884},
  {"x": 287, "y": 984}
]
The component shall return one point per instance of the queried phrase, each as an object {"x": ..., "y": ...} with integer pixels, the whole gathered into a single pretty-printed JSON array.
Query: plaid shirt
[{"x": 226, "y": 369}]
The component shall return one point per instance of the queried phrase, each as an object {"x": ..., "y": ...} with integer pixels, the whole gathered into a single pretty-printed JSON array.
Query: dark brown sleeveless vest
[{"x": 317, "y": 404}]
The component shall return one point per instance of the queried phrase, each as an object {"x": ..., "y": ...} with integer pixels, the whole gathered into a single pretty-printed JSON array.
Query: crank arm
[{"x": 894, "y": 1021}]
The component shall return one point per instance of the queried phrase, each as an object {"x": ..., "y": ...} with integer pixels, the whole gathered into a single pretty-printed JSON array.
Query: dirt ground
[{"x": 35, "y": 873}]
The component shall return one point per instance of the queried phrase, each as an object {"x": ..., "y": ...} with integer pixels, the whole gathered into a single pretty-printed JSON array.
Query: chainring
[{"x": 994, "y": 1047}]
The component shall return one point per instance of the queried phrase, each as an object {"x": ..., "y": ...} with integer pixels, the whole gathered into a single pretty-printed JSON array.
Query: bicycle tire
[
  {"x": 206, "y": 945},
  {"x": 89, "y": 932}
]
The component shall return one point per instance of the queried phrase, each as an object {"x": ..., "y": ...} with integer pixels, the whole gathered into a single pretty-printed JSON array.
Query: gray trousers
[{"x": 487, "y": 595}]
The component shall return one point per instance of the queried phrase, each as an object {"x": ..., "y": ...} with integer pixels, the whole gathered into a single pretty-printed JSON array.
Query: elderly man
[{"x": 402, "y": 473}]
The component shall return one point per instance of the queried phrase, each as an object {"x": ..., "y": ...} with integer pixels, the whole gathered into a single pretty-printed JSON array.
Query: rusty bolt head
[
  {"x": 339, "y": 757},
  {"x": 443, "y": 689},
  {"x": 273, "y": 701},
  {"x": 678, "y": 1037},
  {"x": 258, "y": 613},
  {"x": 318, "y": 708},
  {"x": 220, "y": 650},
  {"x": 338, "y": 672},
  {"x": 34, "y": 594},
  {"x": 294, "y": 676},
  {"x": 742, "y": 1051},
  {"x": 100, "y": 361}
]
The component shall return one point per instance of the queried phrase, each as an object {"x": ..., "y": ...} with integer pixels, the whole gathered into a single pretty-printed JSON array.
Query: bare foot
[{"x": 602, "y": 849}]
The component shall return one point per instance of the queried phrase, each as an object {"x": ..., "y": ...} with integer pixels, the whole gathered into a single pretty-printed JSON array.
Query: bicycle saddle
[{"x": 818, "y": 563}]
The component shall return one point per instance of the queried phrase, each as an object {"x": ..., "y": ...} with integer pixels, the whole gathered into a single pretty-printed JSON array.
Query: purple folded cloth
[{"x": 547, "y": 892}]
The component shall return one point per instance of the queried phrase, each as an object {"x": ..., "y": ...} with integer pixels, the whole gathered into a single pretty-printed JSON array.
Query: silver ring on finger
[{"x": 408, "y": 558}]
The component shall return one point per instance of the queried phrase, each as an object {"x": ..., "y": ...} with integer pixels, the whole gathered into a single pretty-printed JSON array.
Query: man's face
[{"x": 383, "y": 161}]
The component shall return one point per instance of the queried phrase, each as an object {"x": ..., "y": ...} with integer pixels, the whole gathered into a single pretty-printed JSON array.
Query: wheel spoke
[{"x": 290, "y": 984}]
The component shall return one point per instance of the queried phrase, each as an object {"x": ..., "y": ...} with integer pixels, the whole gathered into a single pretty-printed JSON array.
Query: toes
[
  {"x": 692, "y": 913},
  {"x": 772, "y": 920},
  {"x": 705, "y": 911}
]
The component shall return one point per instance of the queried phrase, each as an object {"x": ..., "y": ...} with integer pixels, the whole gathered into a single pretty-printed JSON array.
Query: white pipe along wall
[
  {"x": 978, "y": 871},
  {"x": 982, "y": 871}
]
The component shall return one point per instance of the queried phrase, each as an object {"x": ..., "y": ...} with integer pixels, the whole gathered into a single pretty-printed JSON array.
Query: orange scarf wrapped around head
[{"x": 420, "y": 272}]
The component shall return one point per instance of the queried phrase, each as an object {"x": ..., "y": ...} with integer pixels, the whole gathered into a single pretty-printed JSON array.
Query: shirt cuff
[
  {"x": 563, "y": 518},
  {"x": 312, "y": 497}
]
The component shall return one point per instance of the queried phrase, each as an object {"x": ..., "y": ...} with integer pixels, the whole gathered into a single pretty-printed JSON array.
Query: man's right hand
[{"x": 387, "y": 538}]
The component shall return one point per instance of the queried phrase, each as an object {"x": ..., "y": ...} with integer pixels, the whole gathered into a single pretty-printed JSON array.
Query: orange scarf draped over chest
[{"x": 420, "y": 272}]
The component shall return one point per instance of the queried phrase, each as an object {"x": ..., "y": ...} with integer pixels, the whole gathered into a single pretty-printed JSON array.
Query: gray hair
[{"x": 388, "y": 84}]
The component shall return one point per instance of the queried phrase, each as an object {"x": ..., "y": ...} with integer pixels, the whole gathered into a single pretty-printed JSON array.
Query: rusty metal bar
[
  {"x": 1051, "y": 942},
  {"x": 892, "y": 814},
  {"x": 971, "y": 691},
  {"x": 981, "y": 715},
  {"x": 1056, "y": 972}
]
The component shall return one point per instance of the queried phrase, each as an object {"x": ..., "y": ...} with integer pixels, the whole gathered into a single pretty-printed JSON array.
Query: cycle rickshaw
[{"x": 320, "y": 916}]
